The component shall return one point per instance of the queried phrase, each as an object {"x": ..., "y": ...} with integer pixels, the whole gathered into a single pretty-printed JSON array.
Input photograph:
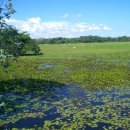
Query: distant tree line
[{"x": 82, "y": 39}]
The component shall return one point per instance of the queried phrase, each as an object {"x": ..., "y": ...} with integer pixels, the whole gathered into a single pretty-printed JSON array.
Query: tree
[
  {"x": 32, "y": 47},
  {"x": 5, "y": 13},
  {"x": 12, "y": 42}
]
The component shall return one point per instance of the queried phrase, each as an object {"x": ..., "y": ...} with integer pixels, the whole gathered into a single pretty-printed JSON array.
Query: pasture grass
[{"x": 82, "y": 50}]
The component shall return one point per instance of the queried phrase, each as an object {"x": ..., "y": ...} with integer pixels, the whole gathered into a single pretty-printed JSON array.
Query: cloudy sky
[{"x": 72, "y": 18}]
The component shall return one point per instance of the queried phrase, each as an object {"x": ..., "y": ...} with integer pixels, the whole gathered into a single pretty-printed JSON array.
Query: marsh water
[
  {"x": 53, "y": 105},
  {"x": 68, "y": 105}
]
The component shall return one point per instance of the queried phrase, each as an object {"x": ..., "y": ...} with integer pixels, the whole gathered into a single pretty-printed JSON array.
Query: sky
[{"x": 72, "y": 18}]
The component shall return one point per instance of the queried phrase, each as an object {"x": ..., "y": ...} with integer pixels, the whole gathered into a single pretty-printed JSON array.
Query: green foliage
[
  {"x": 5, "y": 12},
  {"x": 12, "y": 42},
  {"x": 31, "y": 46},
  {"x": 82, "y": 39}
]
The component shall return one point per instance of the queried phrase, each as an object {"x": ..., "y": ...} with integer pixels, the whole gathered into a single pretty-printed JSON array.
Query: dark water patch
[
  {"x": 92, "y": 67},
  {"x": 52, "y": 114},
  {"x": 66, "y": 69},
  {"x": 97, "y": 103},
  {"x": 73, "y": 103},
  {"x": 125, "y": 96},
  {"x": 100, "y": 126},
  {"x": 27, "y": 123},
  {"x": 46, "y": 66},
  {"x": 34, "y": 122}
]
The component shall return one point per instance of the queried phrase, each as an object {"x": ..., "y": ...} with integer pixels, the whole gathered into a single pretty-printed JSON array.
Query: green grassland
[{"x": 82, "y": 50}]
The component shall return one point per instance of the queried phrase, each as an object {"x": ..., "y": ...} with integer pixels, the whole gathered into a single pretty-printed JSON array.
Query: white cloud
[
  {"x": 85, "y": 27},
  {"x": 106, "y": 28},
  {"x": 65, "y": 15},
  {"x": 79, "y": 15},
  {"x": 36, "y": 20},
  {"x": 76, "y": 16},
  {"x": 37, "y": 28}
]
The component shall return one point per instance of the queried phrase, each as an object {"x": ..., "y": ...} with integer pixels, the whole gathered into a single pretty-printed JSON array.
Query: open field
[
  {"x": 69, "y": 87},
  {"x": 82, "y": 50}
]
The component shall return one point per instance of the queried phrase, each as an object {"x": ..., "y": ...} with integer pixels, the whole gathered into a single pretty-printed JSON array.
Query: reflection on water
[
  {"x": 72, "y": 106},
  {"x": 46, "y": 66}
]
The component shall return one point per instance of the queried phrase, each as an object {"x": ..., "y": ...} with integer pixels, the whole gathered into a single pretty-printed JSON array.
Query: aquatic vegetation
[
  {"x": 84, "y": 93},
  {"x": 77, "y": 108}
]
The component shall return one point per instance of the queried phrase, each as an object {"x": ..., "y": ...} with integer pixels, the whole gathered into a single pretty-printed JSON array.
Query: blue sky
[{"x": 72, "y": 18}]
